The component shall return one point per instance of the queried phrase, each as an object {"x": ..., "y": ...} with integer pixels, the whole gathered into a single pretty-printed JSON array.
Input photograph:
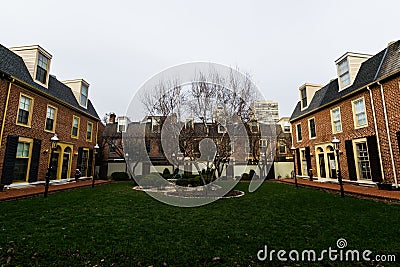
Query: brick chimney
[{"x": 112, "y": 118}]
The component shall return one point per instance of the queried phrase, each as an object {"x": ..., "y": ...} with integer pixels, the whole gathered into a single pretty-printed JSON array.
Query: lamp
[
  {"x": 293, "y": 150},
  {"x": 336, "y": 144},
  {"x": 96, "y": 148}
]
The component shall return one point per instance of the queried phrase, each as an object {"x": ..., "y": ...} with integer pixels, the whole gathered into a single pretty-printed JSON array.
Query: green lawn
[{"x": 113, "y": 225}]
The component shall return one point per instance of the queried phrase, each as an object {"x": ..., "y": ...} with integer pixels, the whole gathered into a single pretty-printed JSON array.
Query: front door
[
  {"x": 54, "y": 164},
  {"x": 322, "y": 172},
  {"x": 332, "y": 165},
  {"x": 65, "y": 165},
  {"x": 84, "y": 165}
]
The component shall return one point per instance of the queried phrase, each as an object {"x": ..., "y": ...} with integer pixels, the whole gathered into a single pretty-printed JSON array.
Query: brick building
[
  {"x": 360, "y": 108},
  {"x": 35, "y": 106},
  {"x": 248, "y": 147}
]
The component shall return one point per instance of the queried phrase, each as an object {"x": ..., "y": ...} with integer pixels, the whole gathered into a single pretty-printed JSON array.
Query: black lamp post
[
  {"x": 293, "y": 150},
  {"x": 336, "y": 143},
  {"x": 96, "y": 148},
  {"x": 51, "y": 168}
]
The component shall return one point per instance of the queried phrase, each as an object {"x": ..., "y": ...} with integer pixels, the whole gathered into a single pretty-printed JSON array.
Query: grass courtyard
[{"x": 113, "y": 225}]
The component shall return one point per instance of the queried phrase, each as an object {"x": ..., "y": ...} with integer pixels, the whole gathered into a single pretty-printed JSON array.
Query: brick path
[
  {"x": 34, "y": 190},
  {"x": 349, "y": 189}
]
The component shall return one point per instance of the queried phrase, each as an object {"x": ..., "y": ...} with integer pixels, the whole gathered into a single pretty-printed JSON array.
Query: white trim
[
  {"x": 332, "y": 121},
  {"x": 309, "y": 129},
  {"x": 356, "y": 126},
  {"x": 388, "y": 135},
  {"x": 297, "y": 134}
]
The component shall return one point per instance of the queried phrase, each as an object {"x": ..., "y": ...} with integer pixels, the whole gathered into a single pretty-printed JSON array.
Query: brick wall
[{"x": 62, "y": 128}]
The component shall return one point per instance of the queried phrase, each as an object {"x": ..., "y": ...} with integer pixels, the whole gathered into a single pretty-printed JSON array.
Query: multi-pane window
[
  {"x": 311, "y": 126},
  {"x": 360, "y": 117},
  {"x": 84, "y": 95},
  {"x": 25, "y": 104},
  {"x": 344, "y": 74},
  {"x": 75, "y": 127},
  {"x": 50, "y": 118},
  {"x": 42, "y": 68},
  {"x": 89, "y": 131},
  {"x": 336, "y": 120},
  {"x": 364, "y": 167},
  {"x": 298, "y": 132},
  {"x": 21, "y": 161},
  {"x": 303, "y": 97}
]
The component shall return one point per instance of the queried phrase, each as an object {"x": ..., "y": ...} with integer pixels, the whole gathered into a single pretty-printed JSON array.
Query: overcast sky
[{"x": 117, "y": 45}]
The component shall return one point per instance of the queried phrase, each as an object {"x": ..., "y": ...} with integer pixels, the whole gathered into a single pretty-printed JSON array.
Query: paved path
[
  {"x": 349, "y": 189},
  {"x": 34, "y": 190}
]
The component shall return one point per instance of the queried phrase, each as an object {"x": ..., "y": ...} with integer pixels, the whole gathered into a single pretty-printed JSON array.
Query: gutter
[
  {"x": 343, "y": 97},
  {"x": 5, "y": 111},
  {"x": 53, "y": 98},
  {"x": 388, "y": 135}
]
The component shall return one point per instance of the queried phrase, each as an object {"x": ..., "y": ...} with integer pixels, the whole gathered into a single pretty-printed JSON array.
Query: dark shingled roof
[
  {"x": 380, "y": 65},
  {"x": 13, "y": 65}
]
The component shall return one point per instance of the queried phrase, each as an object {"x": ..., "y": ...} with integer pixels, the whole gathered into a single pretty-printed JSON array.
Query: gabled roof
[
  {"x": 13, "y": 65},
  {"x": 385, "y": 63}
]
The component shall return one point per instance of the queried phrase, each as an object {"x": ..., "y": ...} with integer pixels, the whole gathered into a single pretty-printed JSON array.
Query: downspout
[
  {"x": 377, "y": 134},
  {"x": 5, "y": 111},
  {"x": 388, "y": 135}
]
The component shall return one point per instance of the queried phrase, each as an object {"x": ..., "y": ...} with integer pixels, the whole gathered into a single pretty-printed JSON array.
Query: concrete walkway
[
  {"x": 35, "y": 190},
  {"x": 371, "y": 192}
]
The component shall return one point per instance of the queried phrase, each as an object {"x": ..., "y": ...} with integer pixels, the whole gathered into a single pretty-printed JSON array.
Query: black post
[
  {"x": 49, "y": 173},
  {"x": 339, "y": 174},
  {"x": 294, "y": 169}
]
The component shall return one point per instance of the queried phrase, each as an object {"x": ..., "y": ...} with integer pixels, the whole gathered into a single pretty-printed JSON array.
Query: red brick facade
[
  {"x": 63, "y": 126},
  {"x": 380, "y": 135}
]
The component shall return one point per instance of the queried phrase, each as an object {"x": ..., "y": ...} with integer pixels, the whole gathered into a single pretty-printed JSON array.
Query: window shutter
[
  {"x": 90, "y": 163},
  {"x": 350, "y": 160},
  {"x": 79, "y": 163},
  {"x": 9, "y": 159},
  {"x": 308, "y": 158},
  {"x": 34, "y": 169},
  {"x": 298, "y": 161},
  {"x": 374, "y": 160}
]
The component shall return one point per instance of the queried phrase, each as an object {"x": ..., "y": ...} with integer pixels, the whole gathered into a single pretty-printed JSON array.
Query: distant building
[{"x": 265, "y": 111}]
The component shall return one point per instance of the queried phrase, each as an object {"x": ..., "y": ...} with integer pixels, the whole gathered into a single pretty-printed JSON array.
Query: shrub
[
  {"x": 182, "y": 182},
  {"x": 251, "y": 174},
  {"x": 245, "y": 177},
  {"x": 166, "y": 171},
  {"x": 120, "y": 176}
]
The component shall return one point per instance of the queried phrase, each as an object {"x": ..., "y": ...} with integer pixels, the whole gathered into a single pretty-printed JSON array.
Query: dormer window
[
  {"x": 42, "y": 68},
  {"x": 303, "y": 98},
  {"x": 84, "y": 95},
  {"x": 344, "y": 74}
]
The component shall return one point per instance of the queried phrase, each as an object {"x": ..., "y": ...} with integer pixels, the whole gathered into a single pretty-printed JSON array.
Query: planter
[{"x": 384, "y": 186}]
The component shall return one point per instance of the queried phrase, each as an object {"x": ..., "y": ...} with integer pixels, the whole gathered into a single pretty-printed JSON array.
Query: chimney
[{"x": 112, "y": 118}]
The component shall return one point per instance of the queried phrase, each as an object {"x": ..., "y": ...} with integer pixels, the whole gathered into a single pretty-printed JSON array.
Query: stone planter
[{"x": 384, "y": 186}]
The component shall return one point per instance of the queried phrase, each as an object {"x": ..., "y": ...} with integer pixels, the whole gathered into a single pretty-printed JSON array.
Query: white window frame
[
  {"x": 356, "y": 125},
  {"x": 333, "y": 121},
  {"x": 342, "y": 73},
  {"x": 356, "y": 162},
  {"x": 309, "y": 128},
  {"x": 297, "y": 133}
]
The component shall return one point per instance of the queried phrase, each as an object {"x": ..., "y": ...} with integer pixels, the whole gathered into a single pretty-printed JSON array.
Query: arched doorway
[
  {"x": 321, "y": 163},
  {"x": 66, "y": 162},
  {"x": 330, "y": 152},
  {"x": 55, "y": 161}
]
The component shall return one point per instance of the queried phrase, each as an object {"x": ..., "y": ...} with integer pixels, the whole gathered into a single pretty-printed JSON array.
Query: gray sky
[{"x": 117, "y": 45}]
